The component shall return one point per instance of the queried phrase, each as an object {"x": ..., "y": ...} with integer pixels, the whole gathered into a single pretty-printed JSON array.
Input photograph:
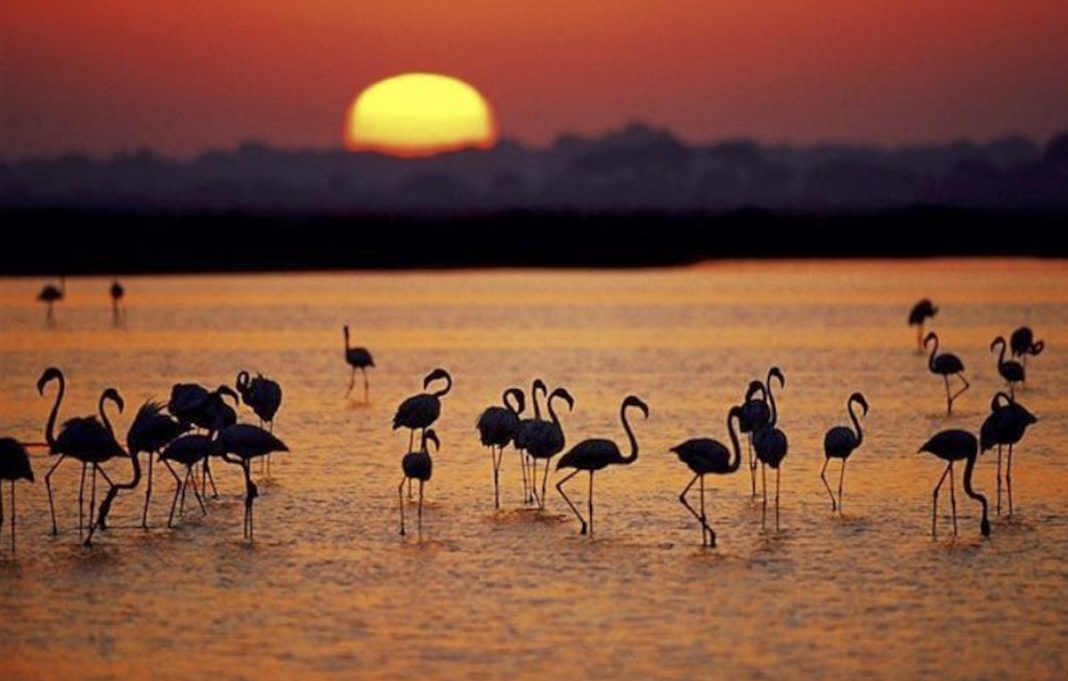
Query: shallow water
[{"x": 330, "y": 590}]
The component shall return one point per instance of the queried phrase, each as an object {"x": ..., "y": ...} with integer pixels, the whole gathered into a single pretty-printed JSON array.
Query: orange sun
[{"x": 419, "y": 114}]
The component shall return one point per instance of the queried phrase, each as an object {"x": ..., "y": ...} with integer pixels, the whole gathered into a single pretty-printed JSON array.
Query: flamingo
[
  {"x": 951, "y": 446},
  {"x": 265, "y": 397},
  {"x": 239, "y": 444},
  {"x": 704, "y": 456},
  {"x": 545, "y": 440},
  {"x": 755, "y": 415},
  {"x": 117, "y": 292},
  {"x": 357, "y": 358},
  {"x": 187, "y": 450},
  {"x": 1005, "y": 425},
  {"x": 1023, "y": 343},
  {"x": 945, "y": 365},
  {"x": 422, "y": 410},
  {"x": 418, "y": 466},
  {"x": 14, "y": 465},
  {"x": 51, "y": 295},
  {"x": 195, "y": 405},
  {"x": 85, "y": 439},
  {"x": 496, "y": 428},
  {"x": 595, "y": 455},
  {"x": 771, "y": 446},
  {"x": 839, "y": 443},
  {"x": 522, "y": 434},
  {"x": 920, "y": 313},
  {"x": 1012, "y": 371}
]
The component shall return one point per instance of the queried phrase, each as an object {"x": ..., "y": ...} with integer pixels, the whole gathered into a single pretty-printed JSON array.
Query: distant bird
[
  {"x": 704, "y": 456},
  {"x": 945, "y": 365},
  {"x": 117, "y": 292},
  {"x": 951, "y": 446},
  {"x": 1005, "y": 425},
  {"x": 771, "y": 446},
  {"x": 357, "y": 358},
  {"x": 1023, "y": 343},
  {"x": 150, "y": 432},
  {"x": 545, "y": 440},
  {"x": 50, "y": 295},
  {"x": 1011, "y": 370},
  {"x": 417, "y": 466},
  {"x": 920, "y": 313},
  {"x": 84, "y": 439},
  {"x": 839, "y": 443},
  {"x": 14, "y": 465},
  {"x": 522, "y": 435},
  {"x": 187, "y": 450},
  {"x": 496, "y": 429},
  {"x": 264, "y": 396},
  {"x": 594, "y": 455},
  {"x": 420, "y": 411},
  {"x": 239, "y": 444}
]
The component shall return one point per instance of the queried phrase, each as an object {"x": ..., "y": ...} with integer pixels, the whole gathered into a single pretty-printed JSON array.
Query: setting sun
[{"x": 418, "y": 114}]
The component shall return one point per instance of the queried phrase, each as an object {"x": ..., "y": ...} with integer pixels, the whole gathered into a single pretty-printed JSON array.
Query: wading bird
[
  {"x": 496, "y": 429},
  {"x": 50, "y": 295},
  {"x": 951, "y": 446},
  {"x": 1023, "y": 343},
  {"x": 150, "y": 432},
  {"x": 545, "y": 440},
  {"x": 771, "y": 447},
  {"x": 195, "y": 405},
  {"x": 945, "y": 365},
  {"x": 839, "y": 443},
  {"x": 417, "y": 466},
  {"x": 420, "y": 411},
  {"x": 522, "y": 435},
  {"x": 239, "y": 444},
  {"x": 117, "y": 292},
  {"x": 755, "y": 415},
  {"x": 14, "y": 465},
  {"x": 357, "y": 358},
  {"x": 265, "y": 397},
  {"x": 920, "y": 313},
  {"x": 187, "y": 450},
  {"x": 1012, "y": 371},
  {"x": 594, "y": 455},
  {"x": 1005, "y": 425},
  {"x": 703, "y": 456}
]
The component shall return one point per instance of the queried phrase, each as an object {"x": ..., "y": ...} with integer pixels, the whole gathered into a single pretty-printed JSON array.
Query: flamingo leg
[
  {"x": 2, "y": 511},
  {"x": 704, "y": 519},
  {"x": 682, "y": 499},
  {"x": 148, "y": 494},
  {"x": 411, "y": 439},
  {"x": 200, "y": 499},
  {"x": 250, "y": 494},
  {"x": 959, "y": 392},
  {"x": 420, "y": 515},
  {"x": 589, "y": 503},
  {"x": 534, "y": 480},
  {"x": 544, "y": 478},
  {"x": 101, "y": 518},
  {"x": 177, "y": 488},
  {"x": 998, "y": 506},
  {"x": 560, "y": 489},
  {"x": 92, "y": 508},
  {"x": 81, "y": 503},
  {"x": 12, "y": 517},
  {"x": 778, "y": 471},
  {"x": 366, "y": 397},
  {"x": 823, "y": 477},
  {"x": 934, "y": 504},
  {"x": 1008, "y": 479},
  {"x": 953, "y": 498},
  {"x": 400, "y": 502},
  {"x": 752, "y": 463},
  {"x": 841, "y": 485},
  {"x": 48, "y": 486},
  {"x": 211, "y": 479},
  {"x": 523, "y": 466},
  {"x": 185, "y": 484},
  {"x": 949, "y": 400},
  {"x": 496, "y": 454},
  {"x": 352, "y": 382},
  {"x": 764, "y": 485}
]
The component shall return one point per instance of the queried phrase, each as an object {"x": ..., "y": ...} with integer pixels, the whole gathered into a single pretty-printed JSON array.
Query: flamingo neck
[
  {"x": 448, "y": 386},
  {"x": 856, "y": 423},
  {"x": 346, "y": 339},
  {"x": 104, "y": 415},
  {"x": 50, "y": 429},
  {"x": 535, "y": 389},
  {"x": 774, "y": 417},
  {"x": 1001, "y": 355},
  {"x": 633, "y": 456},
  {"x": 552, "y": 412},
  {"x": 515, "y": 409},
  {"x": 736, "y": 461},
  {"x": 934, "y": 351}
]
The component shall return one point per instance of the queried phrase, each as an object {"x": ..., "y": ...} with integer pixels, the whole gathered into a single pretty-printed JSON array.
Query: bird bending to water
[
  {"x": 545, "y": 440},
  {"x": 771, "y": 447},
  {"x": 420, "y": 411},
  {"x": 594, "y": 455},
  {"x": 418, "y": 466},
  {"x": 951, "y": 446},
  {"x": 1023, "y": 343},
  {"x": 239, "y": 444},
  {"x": 1011, "y": 370},
  {"x": 1005, "y": 425},
  {"x": 117, "y": 292},
  {"x": 357, "y": 358},
  {"x": 945, "y": 365},
  {"x": 187, "y": 450},
  {"x": 496, "y": 429},
  {"x": 839, "y": 443},
  {"x": 920, "y": 313},
  {"x": 14, "y": 465},
  {"x": 50, "y": 295},
  {"x": 522, "y": 435},
  {"x": 704, "y": 456}
]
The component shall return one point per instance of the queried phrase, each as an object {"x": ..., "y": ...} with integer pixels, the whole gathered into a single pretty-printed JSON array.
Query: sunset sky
[{"x": 180, "y": 77}]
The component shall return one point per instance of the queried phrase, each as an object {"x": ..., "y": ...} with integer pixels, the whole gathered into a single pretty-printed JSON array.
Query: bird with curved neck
[
  {"x": 920, "y": 313},
  {"x": 522, "y": 435},
  {"x": 945, "y": 365},
  {"x": 952, "y": 446},
  {"x": 839, "y": 443},
  {"x": 596, "y": 454},
  {"x": 358, "y": 358},
  {"x": 420, "y": 411},
  {"x": 418, "y": 466},
  {"x": 755, "y": 415},
  {"x": 771, "y": 447},
  {"x": 1011, "y": 370},
  {"x": 546, "y": 440},
  {"x": 704, "y": 456},
  {"x": 497, "y": 427},
  {"x": 1006, "y": 425},
  {"x": 239, "y": 444}
]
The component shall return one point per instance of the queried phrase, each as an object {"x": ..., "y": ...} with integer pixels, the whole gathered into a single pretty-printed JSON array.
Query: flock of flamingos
[{"x": 198, "y": 425}]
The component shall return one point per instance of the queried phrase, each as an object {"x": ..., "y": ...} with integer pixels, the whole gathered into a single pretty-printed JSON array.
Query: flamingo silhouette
[
  {"x": 117, "y": 292},
  {"x": 704, "y": 456},
  {"x": 420, "y": 411},
  {"x": 839, "y": 443},
  {"x": 595, "y": 455},
  {"x": 545, "y": 440},
  {"x": 1012, "y": 371},
  {"x": 195, "y": 405},
  {"x": 239, "y": 444},
  {"x": 418, "y": 466},
  {"x": 951, "y": 446},
  {"x": 496, "y": 428},
  {"x": 1023, "y": 343},
  {"x": 945, "y": 365},
  {"x": 187, "y": 450},
  {"x": 265, "y": 397},
  {"x": 920, "y": 313},
  {"x": 14, "y": 465},
  {"x": 771, "y": 447},
  {"x": 357, "y": 358},
  {"x": 755, "y": 415},
  {"x": 1005, "y": 425},
  {"x": 522, "y": 434},
  {"x": 50, "y": 295}
]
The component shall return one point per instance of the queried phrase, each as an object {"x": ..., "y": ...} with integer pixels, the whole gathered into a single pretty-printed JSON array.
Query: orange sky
[{"x": 180, "y": 77}]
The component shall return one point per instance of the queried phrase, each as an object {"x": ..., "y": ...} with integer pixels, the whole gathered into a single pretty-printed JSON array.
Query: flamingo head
[
  {"x": 564, "y": 395},
  {"x": 929, "y": 338},
  {"x": 999, "y": 397},
  {"x": 634, "y": 401},
  {"x": 539, "y": 385},
  {"x": 114, "y": 396},
  {"x": 50, "y": 374},
  {"x": 520, "y": 400},
  {"x": 242, "y": 379},
  {"x": 859, "y": 399},
  {"x": 754, "y": 388},
  {"x": 436, "y": 375},
  {"x": 994, "y": 343},
  {"x": 430, "y": 436},
  {"x": 735, "y": 412},
  {"x": 228, "y": 391},
  {"x": 775, "y": 372}
]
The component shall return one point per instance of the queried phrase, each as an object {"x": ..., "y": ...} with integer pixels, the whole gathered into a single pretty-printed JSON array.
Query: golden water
[{"x": 330, "y": 590}]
